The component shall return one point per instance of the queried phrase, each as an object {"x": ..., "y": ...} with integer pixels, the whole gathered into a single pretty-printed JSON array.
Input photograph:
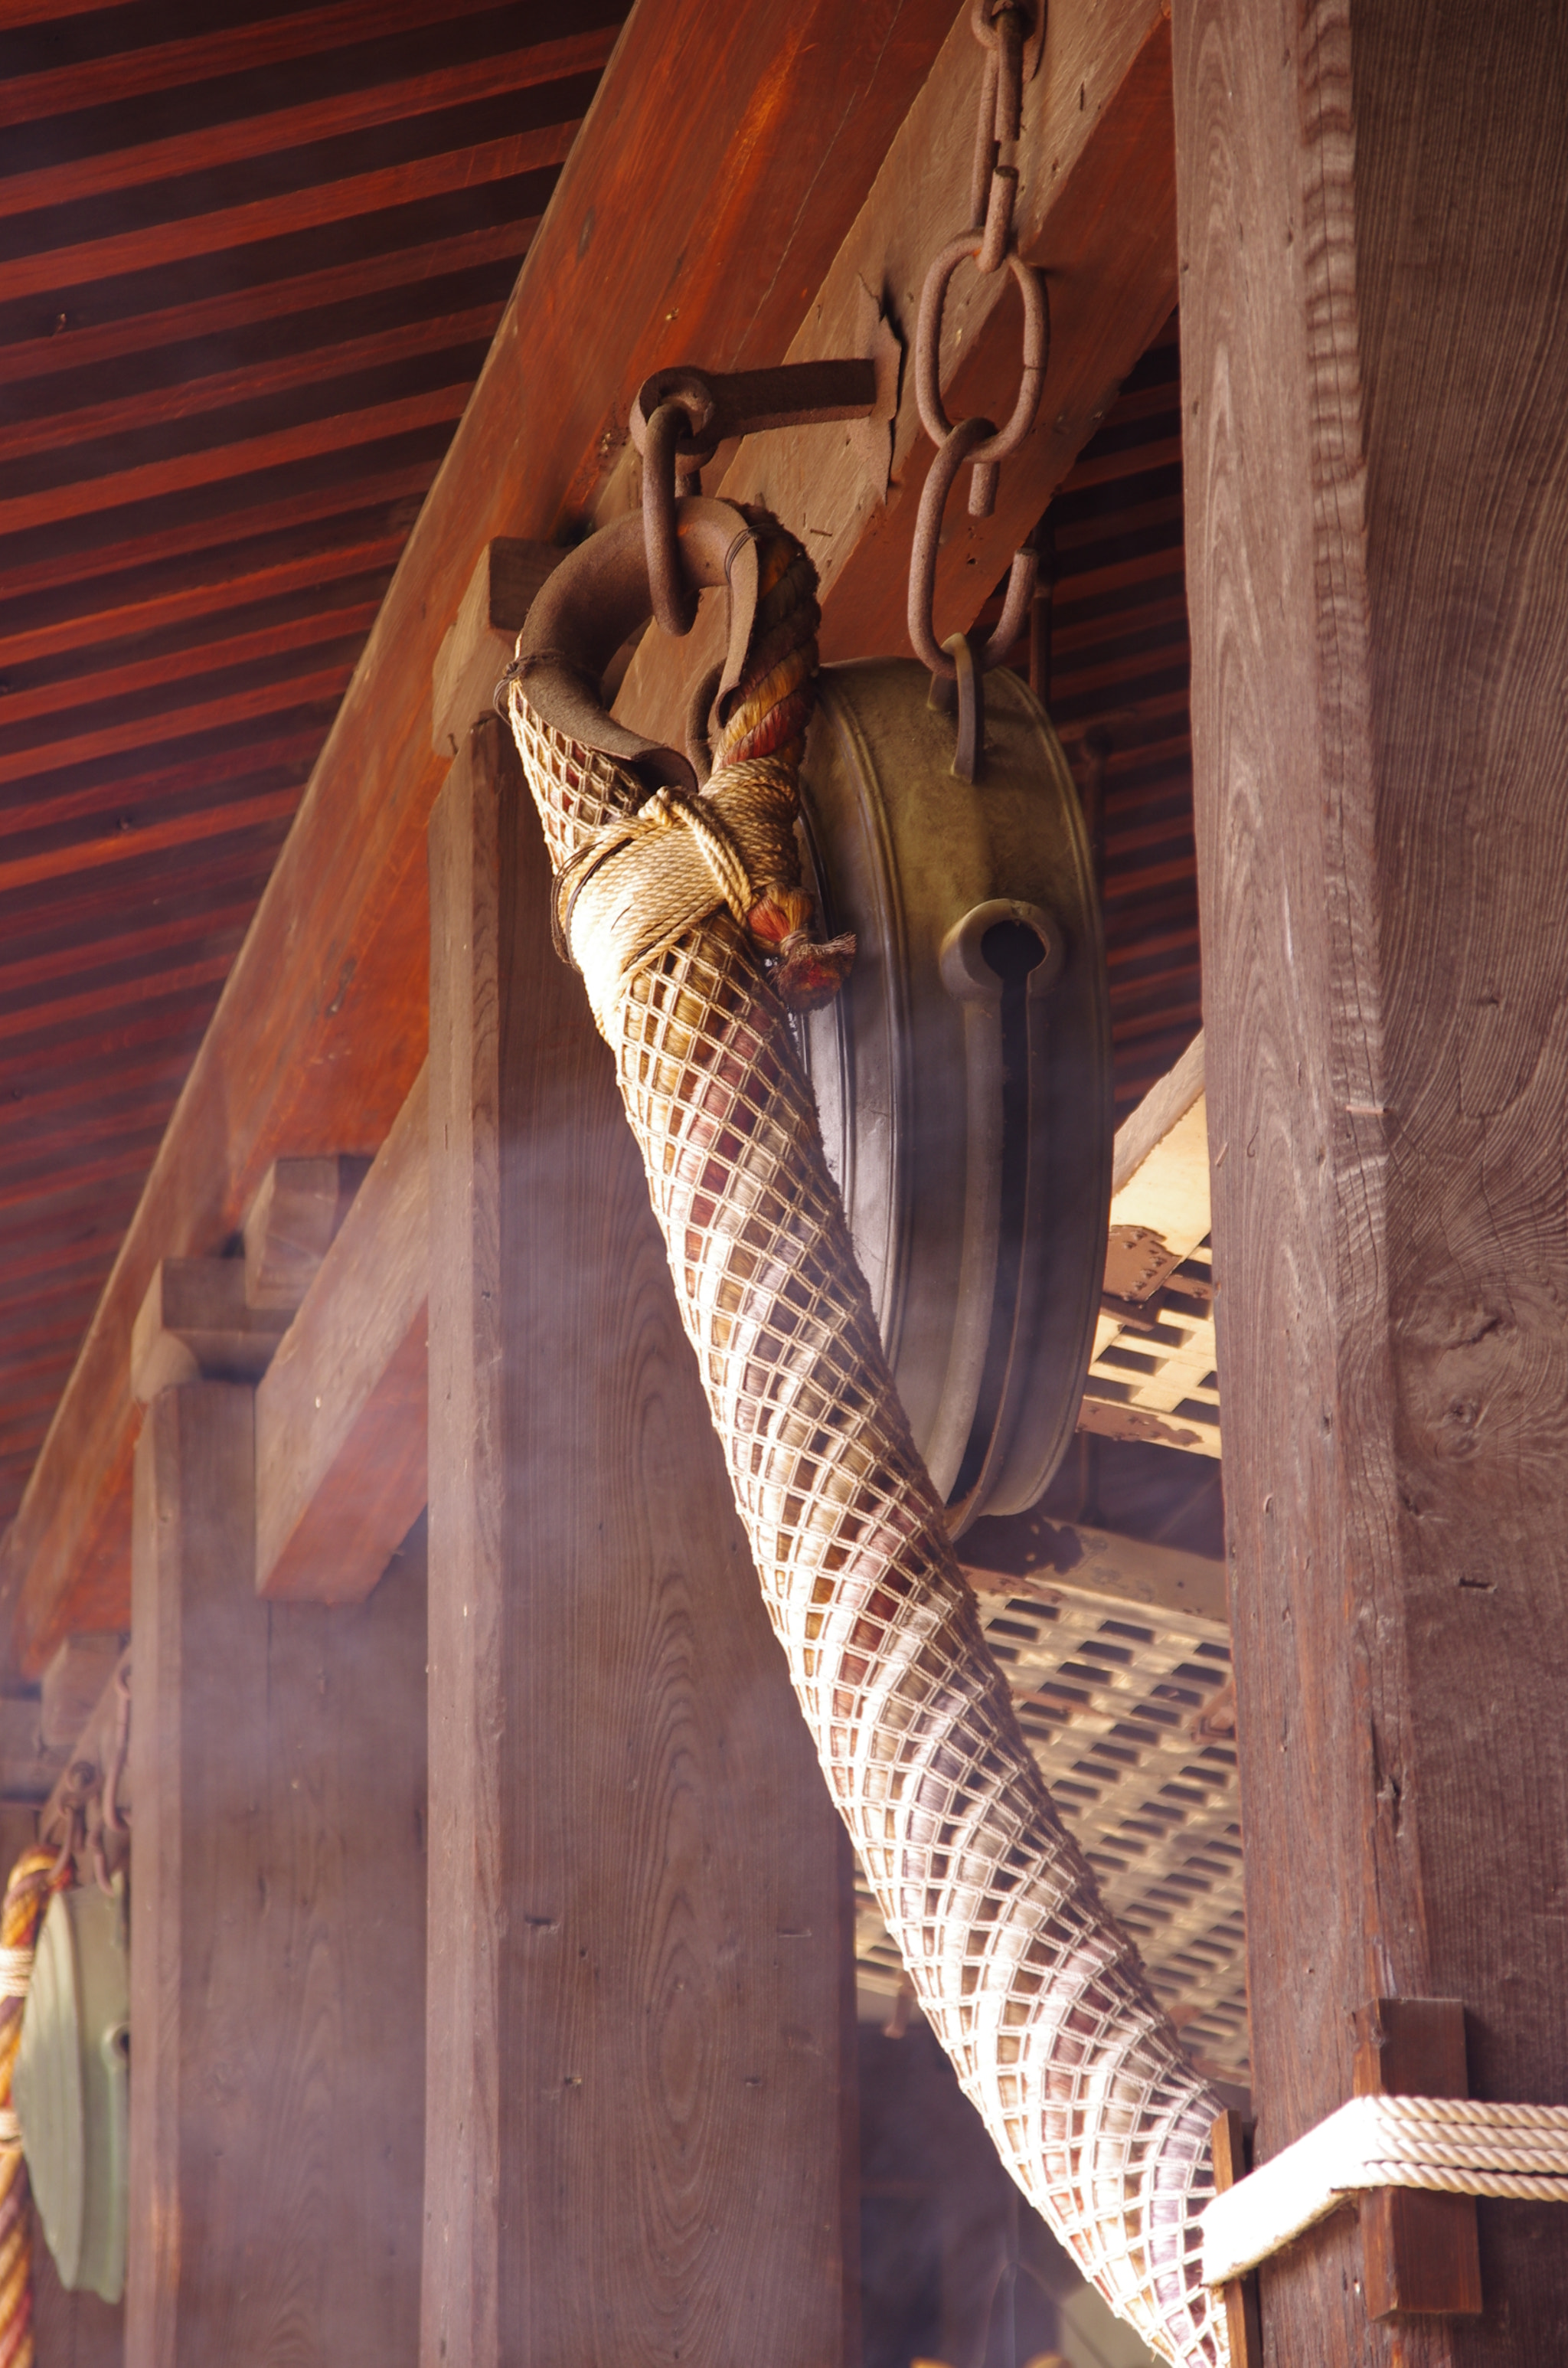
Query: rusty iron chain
[
  {"x": 1012, "y": 35},
  {"x": 680, "y": 418}
]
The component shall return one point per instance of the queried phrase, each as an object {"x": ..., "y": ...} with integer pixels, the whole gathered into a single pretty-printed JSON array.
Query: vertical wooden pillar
[
  {"x": 277, "y": 1932},
  {"x": 1375, "y": 397},
  {"x": 638, "y": 1931}
]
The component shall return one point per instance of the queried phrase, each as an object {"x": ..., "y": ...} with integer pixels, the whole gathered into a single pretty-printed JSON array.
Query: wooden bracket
[
  {"x": 1421, "y": 2251},
  {"x": 195, "y": 1323},
  {"x": 1230, "y": 2145},
  {"x": 477, "y": 647},
  {"x": 294, "y": 1221}
]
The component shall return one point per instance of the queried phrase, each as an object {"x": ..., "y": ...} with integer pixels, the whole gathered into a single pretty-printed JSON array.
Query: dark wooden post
[
  {"x": 637, "y": 2060},
  {"x": 1375, "y": 397},
  {"x": 277, "y": 1932}
]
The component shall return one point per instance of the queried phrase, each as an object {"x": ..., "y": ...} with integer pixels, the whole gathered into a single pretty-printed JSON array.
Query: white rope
[
  {"x": 1456, "y": 2146},
  {"x": 15, "y": 1972}
]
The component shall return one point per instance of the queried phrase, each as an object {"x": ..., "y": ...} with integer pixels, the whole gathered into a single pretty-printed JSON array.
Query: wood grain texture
[
  {"x": 1419, "y": 2251},
  {"x": 292, "y": 1223},
  {"x": 325, "y": 1014},
  {"x": 276, "y": 1969},
  {"x": 1375, "y": 382},
  {"x": 341, "y": 1420},
  {"x": 109, "y": 171},
  {"x": 638, "y": 1932},
  {"x": 1097, "y": 210},
  {"x": 219, "y": 51}
]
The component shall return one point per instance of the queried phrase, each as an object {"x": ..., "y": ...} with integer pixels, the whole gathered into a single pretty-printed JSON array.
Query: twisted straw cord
[
  {"x": 1036, "y": 1993},
  {"x": 1452, "y": 2146},
  {"x": 27, "y": 1896}
]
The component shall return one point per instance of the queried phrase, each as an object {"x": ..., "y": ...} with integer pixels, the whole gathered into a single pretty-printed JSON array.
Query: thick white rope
[{"x": 1456, "y": 2146}]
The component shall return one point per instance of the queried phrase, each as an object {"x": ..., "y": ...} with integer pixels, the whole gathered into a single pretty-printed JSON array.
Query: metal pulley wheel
[
  {"x": 962, "y": 1076},
  {"x": 71, "y": 2086}
]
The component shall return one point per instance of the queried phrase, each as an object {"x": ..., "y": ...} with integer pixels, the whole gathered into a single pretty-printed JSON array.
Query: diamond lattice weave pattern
[{"x": 1035, "y": 1992}]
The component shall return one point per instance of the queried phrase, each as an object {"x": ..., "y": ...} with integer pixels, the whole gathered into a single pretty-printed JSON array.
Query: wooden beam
[
  {"x": 73, "y": 1684},
  {"x": 1375, "y": 405},
  {"x": 340, "y": 1413},
  {"x": 1420, "y": 2252},
  {"x": 292, "y": 1223},
  {"x": 109, "y": 171},
  {"x": 1097, "y": 210},
  {"x": 29, "y": 1767},
  {"x": 200, "y": 57},
  {"x": 322, "y": 1025},
  {"x": 637, "y": 2076},
  {"x": 276, "y": 1932},
  {"x": 197, "y": 1318},
  {"x": 1098, "y": 1563}
]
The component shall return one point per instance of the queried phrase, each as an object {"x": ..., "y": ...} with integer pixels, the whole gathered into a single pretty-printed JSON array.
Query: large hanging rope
[
  {"x": 27, "y": 1896},
  {"x": 1037, "y": 1995}
]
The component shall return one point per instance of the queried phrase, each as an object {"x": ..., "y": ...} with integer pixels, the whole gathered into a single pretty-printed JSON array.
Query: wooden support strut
[
  {"x": 1421, "y": 2252},
  {"x": 638, "y": 2072},
  {"x": 278, "y": 1914},
  {"x": 1375, "y": 431}
]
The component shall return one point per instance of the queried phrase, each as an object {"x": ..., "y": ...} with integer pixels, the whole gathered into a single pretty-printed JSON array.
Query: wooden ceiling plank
[
  {"x": 121, "y": 996},
  {"x": 85, "y": 693},
  {"x": 100, "y": 790},
  {"x": 216, "y": 530},
  {"x": 322, "y": 687},
  {"x": 325, "y": 1010},
  {"x": 93, "y": 854},
  {"x": 99, "y": 900},
  {"x": 53, "y": 270},
  {"x": 222, "y": 389},
  {"x": 90, "y": 1177},
  {"x": 203, "y": 57},
  {"x": 93, "y": 343},
  {"x": 204, "y": 601},
  {"x": 344, "y": 431},
  {"x": 246, "y": 136},
  {"x": 133, "y": 951}
]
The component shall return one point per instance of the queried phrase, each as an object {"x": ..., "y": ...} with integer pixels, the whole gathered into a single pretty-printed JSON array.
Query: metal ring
[
  {"x": 956, "y": 447},
  {"x": 690, "y": 392},
  {"x": 927, "y": 342},
  {"x": 675, "y": 601}
]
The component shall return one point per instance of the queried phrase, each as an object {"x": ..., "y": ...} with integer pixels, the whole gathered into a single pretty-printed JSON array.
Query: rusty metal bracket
[
  {"x": 682, "y": 415},
  {"x": 719, "y": 404}
]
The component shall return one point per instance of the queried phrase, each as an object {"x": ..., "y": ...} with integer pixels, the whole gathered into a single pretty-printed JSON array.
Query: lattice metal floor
[{"x": 1110, "y": 1693}]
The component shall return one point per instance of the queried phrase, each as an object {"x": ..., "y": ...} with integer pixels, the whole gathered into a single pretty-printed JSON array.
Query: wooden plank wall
[{"x": 1375, "y": 384}]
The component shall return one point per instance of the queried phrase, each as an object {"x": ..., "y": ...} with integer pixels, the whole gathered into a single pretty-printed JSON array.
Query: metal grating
[
  {"x": 1152, "y": 1376},
  {"x": 1108, "y": 1694}
]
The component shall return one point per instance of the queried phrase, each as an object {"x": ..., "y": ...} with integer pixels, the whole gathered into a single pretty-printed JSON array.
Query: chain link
[{"x": 1005, "y": 32}]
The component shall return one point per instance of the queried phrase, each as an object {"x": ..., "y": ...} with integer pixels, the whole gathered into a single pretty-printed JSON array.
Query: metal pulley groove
[{"x": 962, "y": 1076}]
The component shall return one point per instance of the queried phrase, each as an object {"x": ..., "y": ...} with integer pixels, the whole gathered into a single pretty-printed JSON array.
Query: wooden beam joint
[{"x": 1422, "y": 2251}]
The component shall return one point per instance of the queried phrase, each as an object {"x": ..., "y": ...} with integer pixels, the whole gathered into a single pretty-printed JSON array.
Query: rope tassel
[{"x": 1037, "y": 1995}]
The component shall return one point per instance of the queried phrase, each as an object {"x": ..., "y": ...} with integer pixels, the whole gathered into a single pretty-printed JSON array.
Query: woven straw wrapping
[{"x": 1035, "y": 1992}]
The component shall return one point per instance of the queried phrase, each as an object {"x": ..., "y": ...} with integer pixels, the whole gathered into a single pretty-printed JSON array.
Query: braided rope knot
[
  {"x": 1450, "y": 2146},
  {"x": 644, "y": 881}
]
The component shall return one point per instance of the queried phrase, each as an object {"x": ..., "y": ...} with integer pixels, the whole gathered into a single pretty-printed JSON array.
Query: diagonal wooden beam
[
  {"x": 649, "y": 248},
  {"x": 1096, "y": 211}
]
